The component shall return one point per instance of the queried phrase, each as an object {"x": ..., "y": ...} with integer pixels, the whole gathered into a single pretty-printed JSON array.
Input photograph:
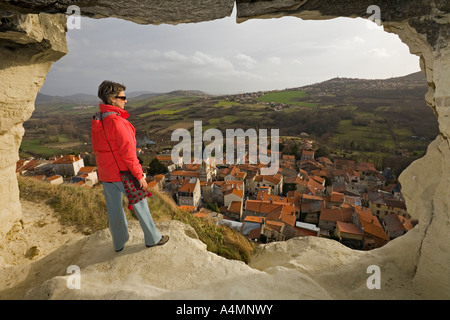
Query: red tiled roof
[
  {"x": 187, "y": 187},
  {"x": 348, "y": 227},
  {"x": 255, "y": 219},
  {"x": 370, "y": 223},
  {"x": 185, "y": 173},
  {"x": 66, "y": 159},
  {"x": 235, "y": 206},
  {"x": 337, "y": 197},
  {"x": 338, "y": 214},
  {"x": 86, "y": 169}
]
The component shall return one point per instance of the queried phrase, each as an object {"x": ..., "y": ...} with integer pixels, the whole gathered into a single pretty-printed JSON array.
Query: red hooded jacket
[{"x": 122, "y": 139}]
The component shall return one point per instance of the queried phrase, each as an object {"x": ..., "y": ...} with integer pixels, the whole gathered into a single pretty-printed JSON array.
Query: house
[
  {"x": 307, "y": 155},
  {"x": 205, "y": 173},
  {"x": 284, "y": 213},
  {"x": 227, "y": 173},
  {"x": 233, "y": 173},
  {"x": 234, "y": 210},
  {"x": 339, "y": 176},
  {"x": 366, "y": 169},
  {"x": 55, "y": 179},
  {"x": 349, "y": 234},
  {"x": 383, "y": 203},
  {"x": 396, "y": 225},
  {"x": 220, "y": 188},
  {"x": 264, "y": 208},
  {"x": 68, "y": 165},
  {"x": 252, "y": 227},
  {"x": 232, "y": 195},
  {"x": 158, "y": 182},
  {"x": 373, "y": 233},
  {"x": 206, "y": 189},
  {"x": 329, "y": 218},
  {"x": 310, "y": 165},
  {"x": 275, "y": 182},
  {"x": 88, "y": 175},
  {"x": 310, "y": 208},
  {"x": 25, "y": 166},
  {"x": 352, "y": 176},
  {"x": 273, "y": 231},
  {"x": 314, "y": 187},
  {"x": 183, "y": 174},
  {"x": 189, "y": 193},
  {"x": 333, "y": 199},
  {"x": 307, "y": 229}
]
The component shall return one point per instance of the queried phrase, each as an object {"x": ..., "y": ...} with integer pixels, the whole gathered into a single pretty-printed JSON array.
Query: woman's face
[{"x": 119, "y": 100}]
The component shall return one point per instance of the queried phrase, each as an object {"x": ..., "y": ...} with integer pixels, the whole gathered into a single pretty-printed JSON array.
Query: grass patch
[
  {"x": 34, "y": 146},
  {"x": 163, "y": 112},
  {"x": 225, "y": 103},
  {"x": 170, "y": 102},
  {"x": 286, "y": 97}
]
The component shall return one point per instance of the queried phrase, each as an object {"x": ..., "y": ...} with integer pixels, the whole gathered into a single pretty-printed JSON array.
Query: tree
[{"x": 156, "y": 167}]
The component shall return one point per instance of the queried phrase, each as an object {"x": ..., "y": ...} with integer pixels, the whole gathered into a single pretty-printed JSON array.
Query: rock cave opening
[
  {"x": 145, "y": 52},
  {"x": 422, "y": 253}
]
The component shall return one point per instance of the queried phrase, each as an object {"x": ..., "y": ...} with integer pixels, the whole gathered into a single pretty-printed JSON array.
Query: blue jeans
[{"x": 118, "y": 224}]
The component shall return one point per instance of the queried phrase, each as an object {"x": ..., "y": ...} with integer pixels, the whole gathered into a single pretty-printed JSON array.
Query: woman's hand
[{"x": 143, "y": 184}]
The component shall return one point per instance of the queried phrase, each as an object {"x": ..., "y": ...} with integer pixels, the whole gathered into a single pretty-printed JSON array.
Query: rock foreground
[{"x": 298, "y": 269}]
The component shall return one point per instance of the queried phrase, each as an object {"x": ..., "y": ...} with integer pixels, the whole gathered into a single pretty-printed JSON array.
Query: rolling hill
[{"x": 357, "y": 115}]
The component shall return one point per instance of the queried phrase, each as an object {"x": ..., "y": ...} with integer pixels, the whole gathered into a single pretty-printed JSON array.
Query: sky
[{"x": 224, "y": 57}]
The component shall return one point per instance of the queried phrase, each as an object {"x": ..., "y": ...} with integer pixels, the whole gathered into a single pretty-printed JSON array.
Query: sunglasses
[{"x": 123, "y": 98}]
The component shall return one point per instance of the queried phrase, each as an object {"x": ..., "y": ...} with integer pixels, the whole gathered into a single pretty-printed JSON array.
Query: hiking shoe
[{"x": 163, "y": 240}]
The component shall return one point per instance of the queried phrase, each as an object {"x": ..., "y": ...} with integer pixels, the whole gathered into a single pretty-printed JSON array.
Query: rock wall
[
  {"x": 29, "y": 44},
  {"x": 31, "y": 41}
]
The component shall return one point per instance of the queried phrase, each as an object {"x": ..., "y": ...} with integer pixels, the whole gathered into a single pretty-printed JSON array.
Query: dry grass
[{"x": 85, "y": 208}]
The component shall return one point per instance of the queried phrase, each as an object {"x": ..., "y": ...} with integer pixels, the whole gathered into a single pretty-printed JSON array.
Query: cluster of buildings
[
  {"x": 334, "y": 198},
  {"x": 57, "y": 170},
  {"x": 326, "y": 197}
]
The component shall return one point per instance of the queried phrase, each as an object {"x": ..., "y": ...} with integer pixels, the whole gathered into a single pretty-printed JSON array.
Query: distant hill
[
  {"x": 370, "y": 117},
  {"x": 82, "y": 98},
  {"x": 79, "y": 98}
]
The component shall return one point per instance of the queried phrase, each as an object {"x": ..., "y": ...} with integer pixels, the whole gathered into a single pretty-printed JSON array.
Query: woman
[{"x": 119, "y": 152}]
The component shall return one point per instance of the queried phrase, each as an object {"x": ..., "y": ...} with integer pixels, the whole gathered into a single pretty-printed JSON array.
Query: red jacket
[{"x": 122, "y": 138}]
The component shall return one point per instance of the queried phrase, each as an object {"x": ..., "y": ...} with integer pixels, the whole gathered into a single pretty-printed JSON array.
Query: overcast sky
[{"x": 223, "y": 57}]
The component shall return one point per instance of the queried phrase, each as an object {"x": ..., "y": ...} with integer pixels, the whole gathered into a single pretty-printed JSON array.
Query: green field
[
  {"x": 362, "y": 137},
  {"x": 287, "y": 97},
  {"x": 163, "y": 112}
]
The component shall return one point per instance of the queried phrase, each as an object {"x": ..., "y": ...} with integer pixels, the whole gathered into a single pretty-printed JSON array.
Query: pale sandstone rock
[
  {"x": 181, "y": 269},
  {"x": 23, "y": 67}
]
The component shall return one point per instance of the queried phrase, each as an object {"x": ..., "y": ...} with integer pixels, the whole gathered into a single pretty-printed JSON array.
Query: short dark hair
[{"x": 108, "y": 89}]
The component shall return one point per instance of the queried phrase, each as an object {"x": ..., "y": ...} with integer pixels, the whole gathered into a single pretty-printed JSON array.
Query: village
[{"x": 330, "y": 197}]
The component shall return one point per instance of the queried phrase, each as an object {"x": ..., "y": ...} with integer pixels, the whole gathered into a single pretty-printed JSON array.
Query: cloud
[
  {"x": 222, "y": 56},
  {"x": 380, "y": 52},
  {"x": 208, "y": 61},
  {"x": 246, "y": 61},
  {"x": 175, "y": 56},
  {"x": 274, "y": 60}
]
